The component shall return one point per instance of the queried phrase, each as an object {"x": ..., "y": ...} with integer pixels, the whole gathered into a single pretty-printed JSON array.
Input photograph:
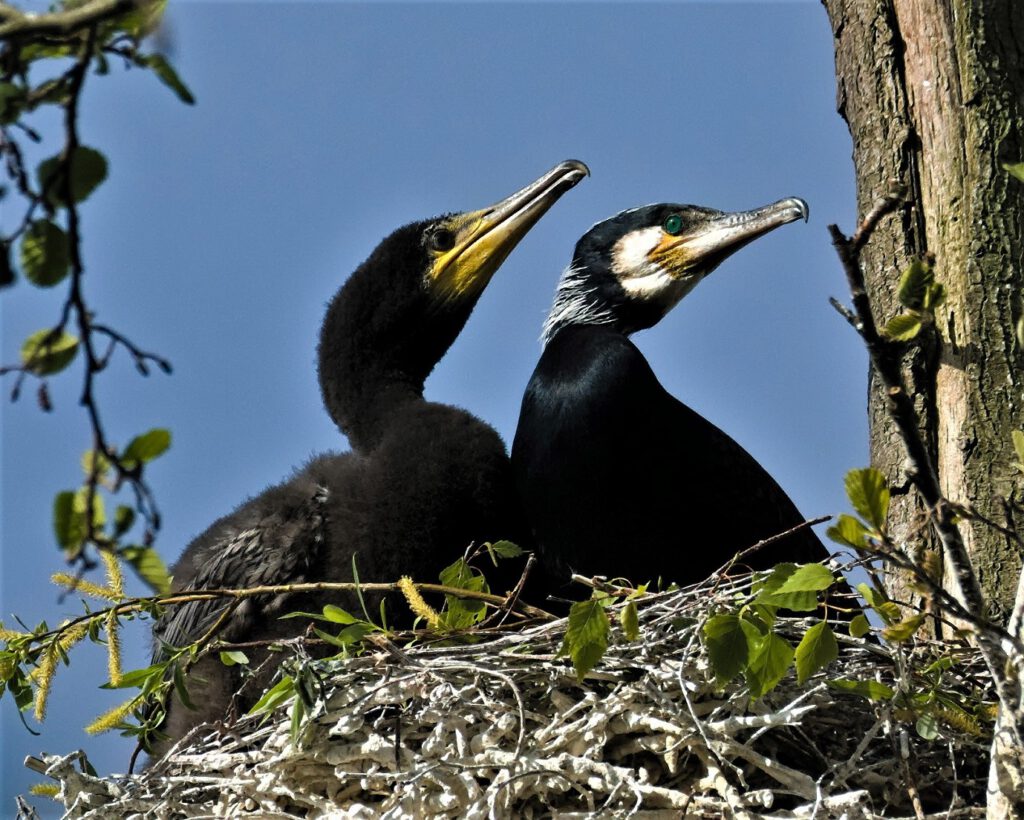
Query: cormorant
[
  {"x": 423, "y": 482},
  {"x": 617, "y": 477}
]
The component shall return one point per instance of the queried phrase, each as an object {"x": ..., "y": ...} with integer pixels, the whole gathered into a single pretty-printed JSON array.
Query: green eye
[{"x": 673, "y": 225}]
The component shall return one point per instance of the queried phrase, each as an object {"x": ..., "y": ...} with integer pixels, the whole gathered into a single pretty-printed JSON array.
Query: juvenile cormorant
[
  {"x": 424, "y": 480},
  {"x": 618, "y": 477}
]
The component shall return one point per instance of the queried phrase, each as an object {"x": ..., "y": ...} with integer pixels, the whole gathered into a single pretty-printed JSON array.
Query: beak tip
[
  {"x": 575, "y": 170},
  {"x": 801, "y": 206}
]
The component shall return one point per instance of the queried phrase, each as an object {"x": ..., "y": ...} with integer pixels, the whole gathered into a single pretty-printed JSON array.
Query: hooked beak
[{"x": 707, "y": 245}]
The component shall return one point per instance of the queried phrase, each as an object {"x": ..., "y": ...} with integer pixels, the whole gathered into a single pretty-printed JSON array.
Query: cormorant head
[
  {"x": 629, "y": 271},
  {"x": 399, "y": 312}
]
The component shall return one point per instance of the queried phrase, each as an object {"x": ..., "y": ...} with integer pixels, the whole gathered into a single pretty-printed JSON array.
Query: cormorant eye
[
  {"x": 441, "y": 240},
  {"x": 673, "y": 225}
]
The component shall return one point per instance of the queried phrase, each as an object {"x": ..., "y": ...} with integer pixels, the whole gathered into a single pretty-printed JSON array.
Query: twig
[{"x": 18, "y": 23}]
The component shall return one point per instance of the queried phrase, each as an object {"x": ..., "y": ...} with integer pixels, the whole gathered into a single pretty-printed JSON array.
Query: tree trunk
[{"x": 933, "y": 93}]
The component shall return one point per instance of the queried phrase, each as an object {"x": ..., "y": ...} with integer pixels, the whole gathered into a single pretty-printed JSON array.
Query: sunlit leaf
[
  {"x": 168, "y": 76},
  {"x": 927, "y": 726},
  {"x": 233, "y": 657},
  {"x": 904, "y": 327},
  {"x": 45, "y": 356},
  {"x": 586, "y": 638},
  {"x": 506, "y": 549},
  {"x": 816, "y": 650},
  {"x": 1016, "y": 169},
  {"x": 337, "y": 615},
  {"x": 859, "y": 626},
  {"x": 914, "y": 283},
  {"x": 147, "y": 446},
  {"x": 848, "y": 531},
  {"x": 769, "y": 657},
  {"x": 898, "y": 632},
  {"x": 149, "y": 566},
  {"x": 869, "y": 494},
  {"x": 630, "y": 621},
  {"x": 870, "y": 689},
  {"x": 44, "y": 254}
]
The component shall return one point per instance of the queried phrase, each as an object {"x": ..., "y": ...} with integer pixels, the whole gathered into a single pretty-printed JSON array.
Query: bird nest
[{"x": 502, "y": 727}]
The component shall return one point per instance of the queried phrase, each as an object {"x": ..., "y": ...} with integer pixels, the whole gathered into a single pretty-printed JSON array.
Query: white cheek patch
[{"x": 643, "y": 279}]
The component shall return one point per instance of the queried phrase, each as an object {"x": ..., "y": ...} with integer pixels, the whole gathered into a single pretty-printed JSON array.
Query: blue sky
[{"x": 224, "y": 229}]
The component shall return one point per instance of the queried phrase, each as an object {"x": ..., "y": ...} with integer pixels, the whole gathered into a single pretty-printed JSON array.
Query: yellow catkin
[
  {"x": 114, "y": 574},
  {"x": 113, "y": 647},
  {"x": 44, "y": 790},
  {"x": 109, "y": 720},
  {"x": 9, "y": 634},
  {"x": 43, "y": 674},
  {"x": 416, "y": 602},
  {"x": 73, "y": 584}
]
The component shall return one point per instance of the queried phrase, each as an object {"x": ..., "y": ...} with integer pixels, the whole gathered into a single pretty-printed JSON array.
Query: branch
[
  {"x": 17, "y": 23},
  {"x": 885, "y": 358}
]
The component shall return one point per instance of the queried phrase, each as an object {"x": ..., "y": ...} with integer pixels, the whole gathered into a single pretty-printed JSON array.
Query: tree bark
[{"x": 933, "y": 93}]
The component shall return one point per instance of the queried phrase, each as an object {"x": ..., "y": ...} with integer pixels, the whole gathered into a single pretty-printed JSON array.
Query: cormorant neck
[
  {"x": 382, "y": 335},
  {"x": 578, "y": 301}
]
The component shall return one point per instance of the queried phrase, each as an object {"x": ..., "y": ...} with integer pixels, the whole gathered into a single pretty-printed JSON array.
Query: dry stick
[{"x": 993, "y": 641}]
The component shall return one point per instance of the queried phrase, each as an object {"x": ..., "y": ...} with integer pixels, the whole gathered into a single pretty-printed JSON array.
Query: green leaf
[
  {"x": 586, "y": 638},
  {"x": 904, "y": 327},
  {"x": 914, "y": 284},
  {"x": 899, "y": 632},
  {"x": 727, "y": 646},
  {"x": 91, "y": 457},
  {"x": 1016, "y": 169},
  {"x": 66, "y": 528},
  {"x": 88, "y": 170},
  {"x": 935, "y": 296},
  {"x": 233, "y": 657},
  {"x": 178, "y": 676},
  {"x": 870, "y": 689},
  {"x": 80, "y": 507},
  {"x": 927, "y": 726},
  {"x": 506, "y": 549},
  {"x": 859, "y": 626},
  {"x": 630, "y": 621},
  {"x": 149, "y": 566},
  {"x": 1018, "y": 446},
  {"x": 795, "y": 587},
  {"x": 848, "y": 531},
  {"x": 168, "y": 76},
  {"x": 279, "y": 693},
  {"x": 136, "y": 678},
  {"x": 124, "y": 517},
  {"x": 816, "y": 650},
  {"x": 808, "y": 577},
  {"x": 867, "y": 491},
  {"x": 888, "y": 610},
  {"x": 337, "y": 615},
  {"x": 45, "y": 356},
  {"x": 461, "y": 612},
  {"x": 44, "y": 254},
  {"x": 147, "y": 446},
  {"x": 769, "y": 658}
]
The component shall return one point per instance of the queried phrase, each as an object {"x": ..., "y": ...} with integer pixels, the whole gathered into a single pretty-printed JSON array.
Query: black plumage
[
  {"x": 618, "y": 477},
  {"x": 424, "y": 480}
]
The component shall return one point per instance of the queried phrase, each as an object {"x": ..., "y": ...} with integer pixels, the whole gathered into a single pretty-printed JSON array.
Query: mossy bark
[{"x": 933, "y": 93}]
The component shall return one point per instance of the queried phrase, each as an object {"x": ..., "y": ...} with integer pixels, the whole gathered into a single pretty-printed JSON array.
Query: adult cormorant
[
  {"x": 424, "y": 480},
  {"x": 618, "y": 477}
]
